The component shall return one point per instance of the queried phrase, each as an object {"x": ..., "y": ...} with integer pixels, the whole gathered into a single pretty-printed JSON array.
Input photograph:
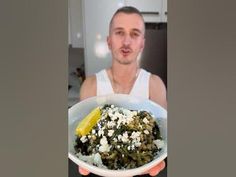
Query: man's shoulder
[
  {"x": 89, "y": 83},
  {"x": 157, "y": 90},
  {"x": 156, "y": 84},
  {"x": 155, "y": 79},
  {"x": 88, "y": 88},
  {"x": 90, "y": 80}
]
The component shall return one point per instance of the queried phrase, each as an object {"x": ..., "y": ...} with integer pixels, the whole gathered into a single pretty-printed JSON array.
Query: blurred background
[{"x": 88, "y": 22}]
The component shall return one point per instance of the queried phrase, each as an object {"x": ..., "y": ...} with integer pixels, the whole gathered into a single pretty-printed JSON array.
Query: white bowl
[{"x": 81, "y": 109}]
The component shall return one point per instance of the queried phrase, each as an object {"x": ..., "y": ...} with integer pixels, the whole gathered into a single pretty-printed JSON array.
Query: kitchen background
[{"x": 88, "y": 52}]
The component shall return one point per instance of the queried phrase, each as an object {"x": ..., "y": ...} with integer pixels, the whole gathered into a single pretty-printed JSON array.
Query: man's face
[{"x": 126, "y": 37}]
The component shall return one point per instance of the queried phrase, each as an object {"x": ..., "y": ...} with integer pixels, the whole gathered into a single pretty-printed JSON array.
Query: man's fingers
[
  {"x": 163, "y": 164},
  {"x": 155, "y": 170},
  {"x": 82, "y": 171}
]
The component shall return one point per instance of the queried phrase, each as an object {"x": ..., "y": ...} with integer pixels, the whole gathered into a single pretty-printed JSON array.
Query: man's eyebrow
[
  {"x": 134, "y": 29},
  {"x": 137, "y": 30},
  {"x": 118, "y": 28}
]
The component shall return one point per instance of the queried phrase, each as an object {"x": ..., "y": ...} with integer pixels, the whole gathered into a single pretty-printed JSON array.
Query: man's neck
[
  {"x": 123, "y": 77},
  {"x": 124, "y": 73}
]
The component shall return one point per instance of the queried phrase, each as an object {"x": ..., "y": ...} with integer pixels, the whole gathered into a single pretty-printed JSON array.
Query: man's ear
[
  {"x": 142, "y": 45},
  {"x": 109, "y": 42}
]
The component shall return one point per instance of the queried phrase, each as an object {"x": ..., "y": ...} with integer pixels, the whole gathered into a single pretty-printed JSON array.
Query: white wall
[
  {"x": 76, "y": 38},
  {"x": 97, "y": 15}
]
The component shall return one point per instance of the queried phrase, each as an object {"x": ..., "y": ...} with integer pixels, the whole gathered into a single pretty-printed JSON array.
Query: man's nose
[{"x": 127, "y": 40}]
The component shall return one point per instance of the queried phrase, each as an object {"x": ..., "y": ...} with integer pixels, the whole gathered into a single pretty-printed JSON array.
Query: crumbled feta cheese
[
  {"x": 124, "y": 119},
  {"x": 145, "y": 120},
  {"x": 110, "y": 115},
  {"x": 128, "y": 115},
  {"x": 100, "y": 132},
  {"x": 134, "y": 113},
  {"x": 125, "y": 137},
  {"x": 110, "y": 132},
  {"x": 103, "y": 140},
  {"x": 137, "y": 144},
  {"x": 117, "y": 115},
  {"x": 93, "y": 131},
  {"x": 118, "y": 146},
  {"x": 114, "y": 118},
  {"x": 135, "y": 135},
  {"x": 111, "y": 124},
  {"x": 129, "y": 119},
  {"x": 83, "y": 139},
  {"x": 146, "y": 132},
  {"x": 104, "y": 145},
  {"x": 119, "y": 137}
]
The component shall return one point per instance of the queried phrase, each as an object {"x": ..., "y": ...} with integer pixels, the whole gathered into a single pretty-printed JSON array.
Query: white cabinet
[
  {"x": 152, "y": 10},
  {"x": 150, "y": 6},
  {"x": 164, "y": 11}
]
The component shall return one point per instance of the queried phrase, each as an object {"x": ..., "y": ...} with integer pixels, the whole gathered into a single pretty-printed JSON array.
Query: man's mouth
[{"x": 125, "y": 51}]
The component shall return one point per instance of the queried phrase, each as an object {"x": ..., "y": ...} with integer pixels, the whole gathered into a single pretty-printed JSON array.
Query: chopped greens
[{"x": 121, "y": 139}]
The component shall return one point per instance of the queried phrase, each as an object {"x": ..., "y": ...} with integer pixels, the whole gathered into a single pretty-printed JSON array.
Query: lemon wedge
[{"x": 86, "y": 125}]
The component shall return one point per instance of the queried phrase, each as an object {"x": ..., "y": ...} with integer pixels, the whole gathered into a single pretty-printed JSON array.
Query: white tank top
[{"x": 139, "y": 89}]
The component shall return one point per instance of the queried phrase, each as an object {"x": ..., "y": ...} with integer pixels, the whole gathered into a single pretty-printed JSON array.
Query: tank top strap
[
  {"x": 141, "y": 85},
  {"x": 104, "y": 86}
]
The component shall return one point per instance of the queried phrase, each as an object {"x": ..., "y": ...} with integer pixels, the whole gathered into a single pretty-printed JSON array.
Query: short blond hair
[{"x": 127, "y": 10}]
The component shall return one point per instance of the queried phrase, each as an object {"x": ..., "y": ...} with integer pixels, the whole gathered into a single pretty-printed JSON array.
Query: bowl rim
[{"x": 116, "y": 95}]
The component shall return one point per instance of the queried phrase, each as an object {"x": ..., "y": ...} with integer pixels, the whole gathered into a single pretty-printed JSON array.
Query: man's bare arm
[
  {"x": 157, "y": 91},
  {"x": 88, "y": 88}
]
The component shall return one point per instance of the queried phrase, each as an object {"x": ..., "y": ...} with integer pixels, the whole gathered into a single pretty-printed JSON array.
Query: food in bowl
[{"x": 118, "y": 138}]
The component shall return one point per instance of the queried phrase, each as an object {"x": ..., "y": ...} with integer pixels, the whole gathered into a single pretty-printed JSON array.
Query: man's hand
[
  {"x": 157, "y": 169},
  {"x": 82, "y": 171},
  {"x": 153, "y": 172}
]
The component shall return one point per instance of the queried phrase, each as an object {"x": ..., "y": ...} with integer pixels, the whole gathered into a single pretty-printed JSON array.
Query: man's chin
[{"x": 124, "y": 62}]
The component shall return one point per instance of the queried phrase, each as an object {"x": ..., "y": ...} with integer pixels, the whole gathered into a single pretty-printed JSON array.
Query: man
[{"x": 126, "y": 41}]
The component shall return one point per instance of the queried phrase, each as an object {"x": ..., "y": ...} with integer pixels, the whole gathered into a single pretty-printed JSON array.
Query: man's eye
[
  {"x": 135, "y": 34},
  {"x": 119, "y": 33}
]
